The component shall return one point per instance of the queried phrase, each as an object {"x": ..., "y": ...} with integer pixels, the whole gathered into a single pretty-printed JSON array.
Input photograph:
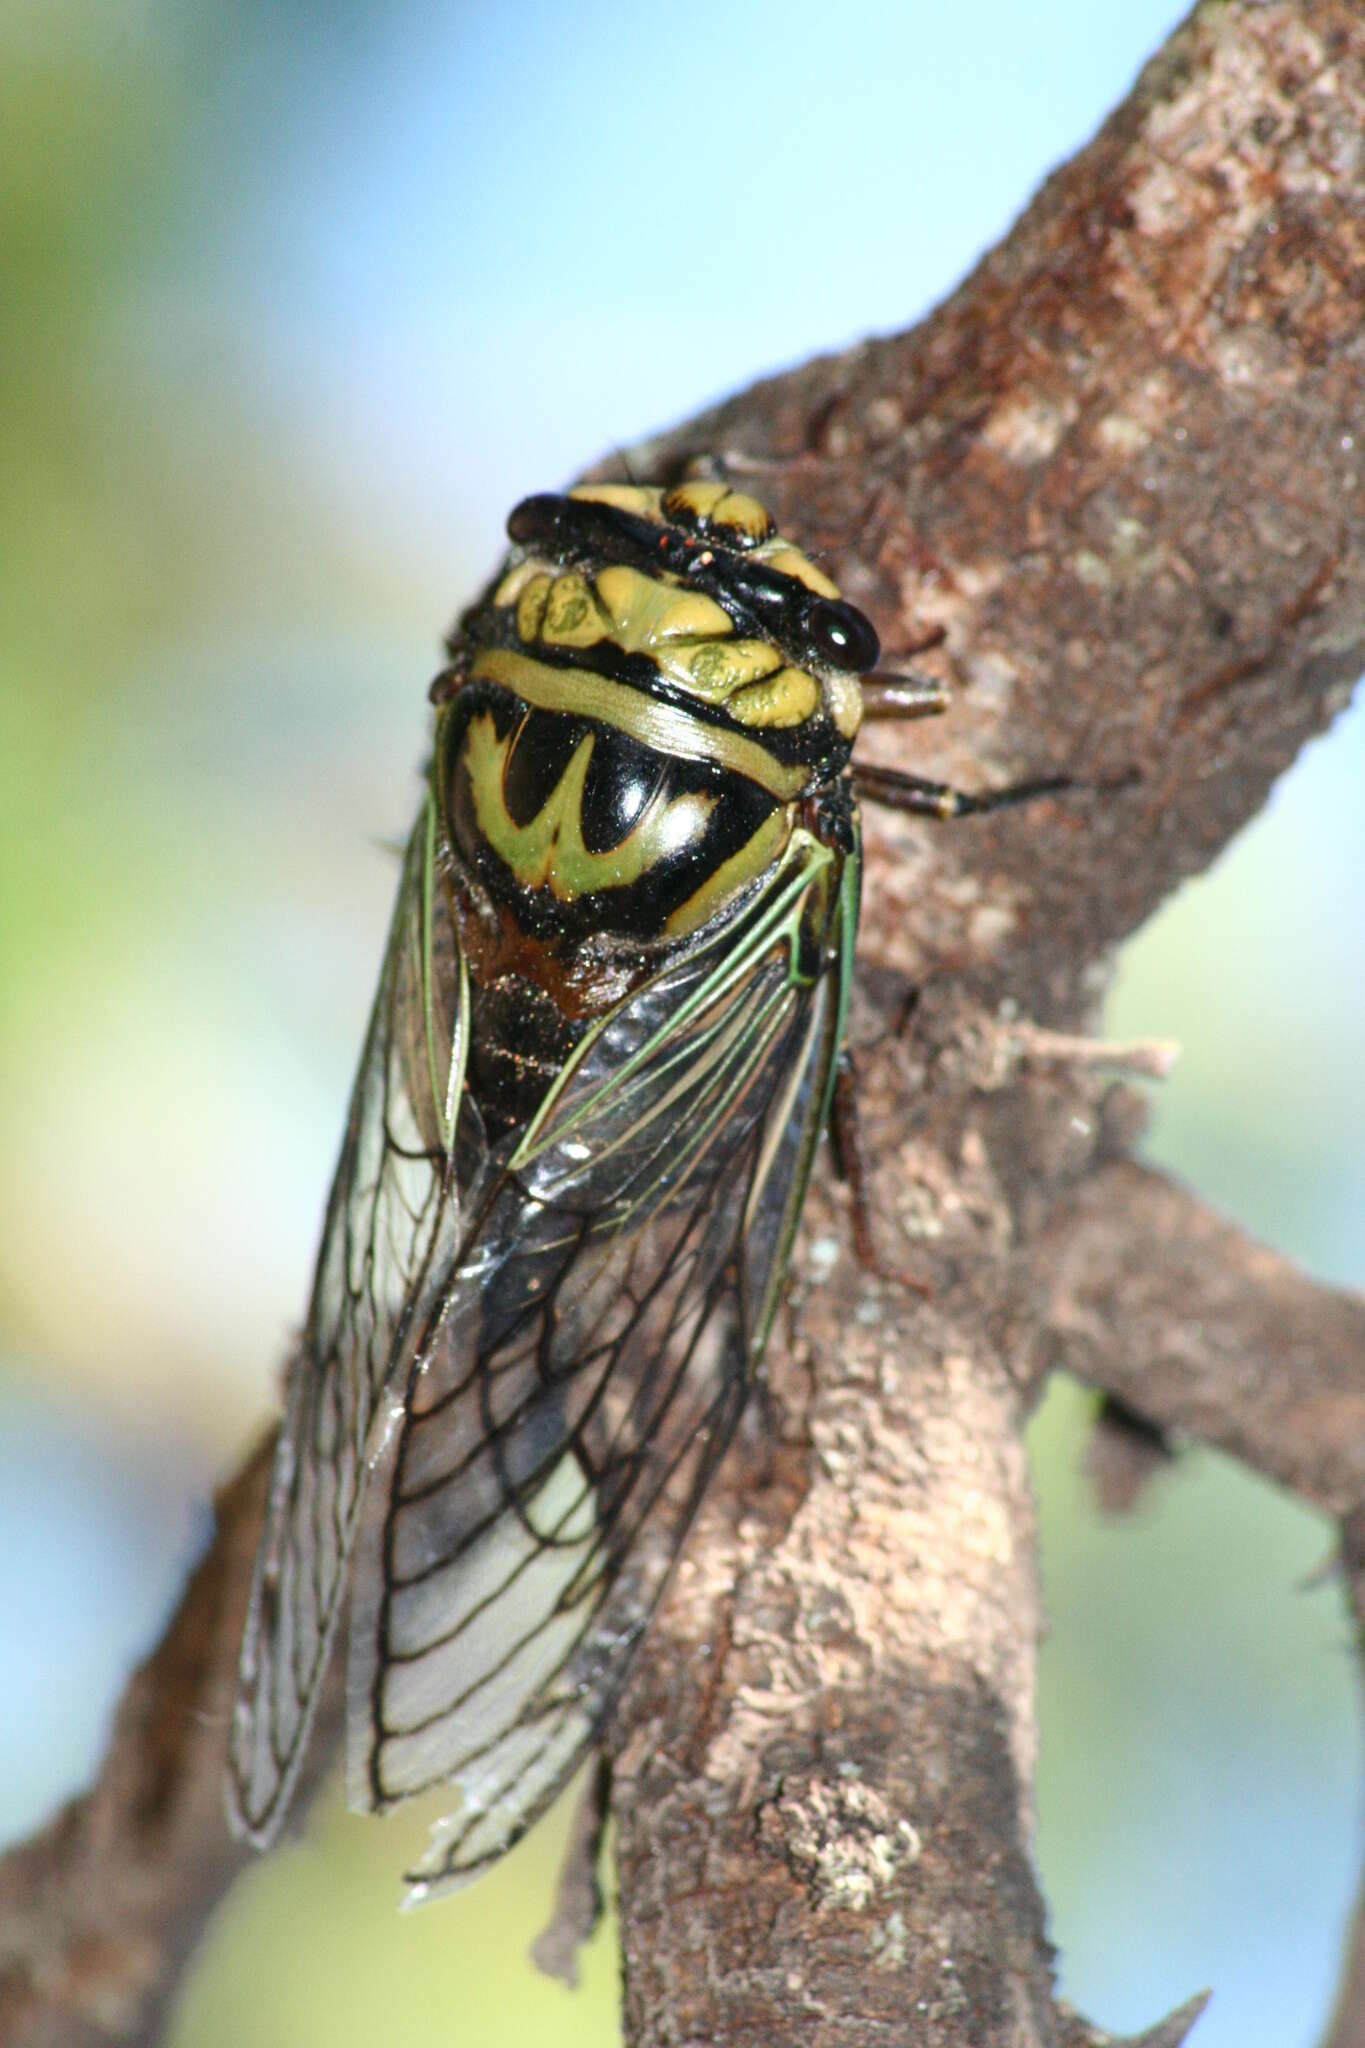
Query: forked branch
[{"x": 1112, "y": 493}]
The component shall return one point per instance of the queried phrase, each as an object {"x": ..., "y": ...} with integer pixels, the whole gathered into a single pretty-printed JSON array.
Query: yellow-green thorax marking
[{"x": 641, "y": 710}]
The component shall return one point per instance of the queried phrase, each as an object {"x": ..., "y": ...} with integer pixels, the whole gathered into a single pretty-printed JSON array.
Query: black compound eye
[
  {"x": 537, "y": 522},
  {"x": 839, "y": 634}
]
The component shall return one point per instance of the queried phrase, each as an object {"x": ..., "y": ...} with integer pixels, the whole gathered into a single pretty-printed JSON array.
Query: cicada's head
[{"x": 691, "y": 596}]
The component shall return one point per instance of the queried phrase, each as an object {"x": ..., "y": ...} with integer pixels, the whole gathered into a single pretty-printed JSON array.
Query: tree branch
[
  {"x": 1119, "y": 472},
  {"x": 99, "y": 1912},
  {"x": 1157, "y": 1300},
  {"x": 1347, "y": 2028}
]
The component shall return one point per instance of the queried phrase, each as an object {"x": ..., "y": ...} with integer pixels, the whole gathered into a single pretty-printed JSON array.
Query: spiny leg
[
  {"x": 925, "y": 799},
  {"x": 907, "y": 695},
  {"x": 578, "y": 1900},
  {"x": 888, "y": 695},
  {"x": 851, "y": 1161}
]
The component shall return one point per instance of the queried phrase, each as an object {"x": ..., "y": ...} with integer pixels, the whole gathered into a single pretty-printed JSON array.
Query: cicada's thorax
[{"x": 656, "y": 694}]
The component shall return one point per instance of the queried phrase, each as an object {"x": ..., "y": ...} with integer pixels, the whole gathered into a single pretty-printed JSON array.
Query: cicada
[{"x": 601, "y": 1054}]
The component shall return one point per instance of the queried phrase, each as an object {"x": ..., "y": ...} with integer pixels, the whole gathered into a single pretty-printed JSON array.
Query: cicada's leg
[
  {"x": 760, "y": 1433},
  {"x": 886, "y": 695},
  {"x": 907, "y": 695},
  {"x": 927, "y": 799},
  {"x": 578, "y": 1900},
  {"x": 852, "y": 1165}
]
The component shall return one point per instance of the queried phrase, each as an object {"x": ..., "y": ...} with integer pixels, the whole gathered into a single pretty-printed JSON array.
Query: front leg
[{"x": 925, "y": 799}]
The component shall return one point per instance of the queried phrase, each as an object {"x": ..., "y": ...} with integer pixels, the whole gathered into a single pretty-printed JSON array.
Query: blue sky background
[{"x": 304, "y": 299}]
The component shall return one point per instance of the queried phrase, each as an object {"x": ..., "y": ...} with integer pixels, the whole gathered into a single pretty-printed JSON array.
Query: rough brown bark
[
  {"x": 1259, "y": 1360},
  {"x": 1118, "y": 476},
  {"x": 1347, "y": 2028}
]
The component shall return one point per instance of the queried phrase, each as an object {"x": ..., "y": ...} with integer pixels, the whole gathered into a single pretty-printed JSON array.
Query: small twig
[
  {"x": 1149, "y": 1058},
  {"x": 1124, "y": 1454}
]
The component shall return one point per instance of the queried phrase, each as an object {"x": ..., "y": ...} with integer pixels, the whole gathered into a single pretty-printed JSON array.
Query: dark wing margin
[
  {"x": 572, "y": 1403},
  {"x": 388, "y": 1245}
]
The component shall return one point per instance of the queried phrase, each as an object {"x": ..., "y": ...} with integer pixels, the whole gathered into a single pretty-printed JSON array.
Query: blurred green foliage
[{"x": 312, "y": 1948}]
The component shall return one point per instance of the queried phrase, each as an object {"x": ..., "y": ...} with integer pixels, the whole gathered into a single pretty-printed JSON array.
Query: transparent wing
[
  {"x": 389, "y": 1244},
  {"x": 575, "y": 1397}
]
